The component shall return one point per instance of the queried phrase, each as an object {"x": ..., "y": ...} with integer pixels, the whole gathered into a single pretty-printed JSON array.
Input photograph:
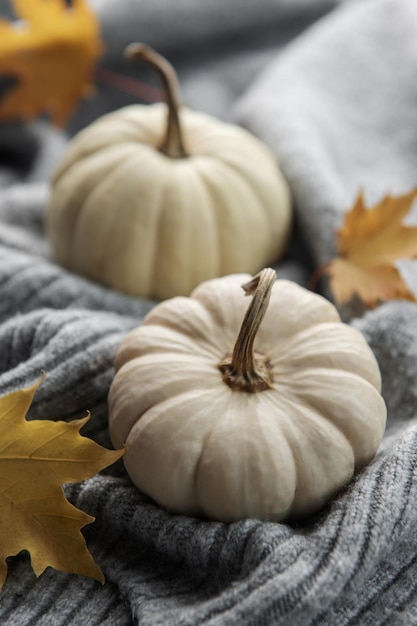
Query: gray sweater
[{"x": 331, "y": 87}]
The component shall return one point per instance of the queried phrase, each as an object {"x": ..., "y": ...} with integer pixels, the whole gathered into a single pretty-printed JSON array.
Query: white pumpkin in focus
[{"x": 268, "y": 417}]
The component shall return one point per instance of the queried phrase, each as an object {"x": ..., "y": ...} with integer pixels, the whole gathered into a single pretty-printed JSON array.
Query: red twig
[
  {"x": 316, "y": 275},
  {"x": 132, "y": 86}
]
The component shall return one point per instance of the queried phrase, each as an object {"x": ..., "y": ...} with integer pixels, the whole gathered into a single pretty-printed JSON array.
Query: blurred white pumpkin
[{"x": 154, "y": 199}]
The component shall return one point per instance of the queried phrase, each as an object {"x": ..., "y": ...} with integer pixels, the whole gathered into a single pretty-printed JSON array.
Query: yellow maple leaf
[
  {"x": 36, "y": 458},
  {"x": 369, "y": 244},
  {"x": 52, "y": 53}
]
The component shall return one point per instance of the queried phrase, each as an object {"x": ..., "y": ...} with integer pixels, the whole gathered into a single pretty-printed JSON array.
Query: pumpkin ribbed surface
[
  {"x": 124, "y": 214},
  {"x": 198, "y": 447}
]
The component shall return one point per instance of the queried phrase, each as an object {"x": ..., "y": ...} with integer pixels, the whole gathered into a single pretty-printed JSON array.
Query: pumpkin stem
[
  {"x": 244, "y": 369},
  {"x": 172, "y": 144}
]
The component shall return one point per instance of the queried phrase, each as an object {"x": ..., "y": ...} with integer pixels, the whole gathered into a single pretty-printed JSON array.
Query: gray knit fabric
[{"x": 331, "y": 87}]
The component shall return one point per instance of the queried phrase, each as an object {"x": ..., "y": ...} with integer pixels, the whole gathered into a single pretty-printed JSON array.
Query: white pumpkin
[
  {"x": 154, "y": 199},
  {"x": 270, "y": 425}
]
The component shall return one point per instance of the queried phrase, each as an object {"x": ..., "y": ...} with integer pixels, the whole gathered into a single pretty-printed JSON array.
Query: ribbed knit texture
[{"x": 331, "y": 87}]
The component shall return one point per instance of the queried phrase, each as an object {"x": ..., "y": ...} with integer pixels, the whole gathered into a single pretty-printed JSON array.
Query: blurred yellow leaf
[
  {"x": 51, "y": 51},
  {"x": 36, "y": 458},
  {"x": 369, "y": 244}
]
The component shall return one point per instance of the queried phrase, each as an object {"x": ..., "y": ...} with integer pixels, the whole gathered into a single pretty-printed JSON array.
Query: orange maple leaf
[
  {"x": 52, "y": 54},
  {"x": 369, "y": 244}
]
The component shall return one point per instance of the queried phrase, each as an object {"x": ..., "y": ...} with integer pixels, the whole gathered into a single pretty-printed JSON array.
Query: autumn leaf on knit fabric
[
  {"x": 36, "y": 458},
  {"x": 369, "y": 244},
  {"x": 51, "y": 52}
]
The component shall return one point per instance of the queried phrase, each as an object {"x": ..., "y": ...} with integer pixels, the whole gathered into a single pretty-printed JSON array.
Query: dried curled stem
[
  {"x": 244, "y": 369},
  {"x": 172, "y": 144}
]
